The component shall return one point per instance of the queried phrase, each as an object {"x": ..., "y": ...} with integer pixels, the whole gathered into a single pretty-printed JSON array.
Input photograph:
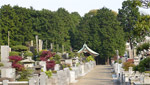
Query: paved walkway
[{"x": 100, "y": 75}]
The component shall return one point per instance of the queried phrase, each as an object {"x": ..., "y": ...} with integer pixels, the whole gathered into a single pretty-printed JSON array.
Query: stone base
[{"x": 8, "y": 72}]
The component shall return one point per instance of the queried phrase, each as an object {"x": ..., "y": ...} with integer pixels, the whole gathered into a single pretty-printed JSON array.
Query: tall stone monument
[
  {"x": 31, "y": 43},
  {"x": 40, "y": 44},
  {"x": 37, "y": 43},
  {"x": 6, "y": 70}
]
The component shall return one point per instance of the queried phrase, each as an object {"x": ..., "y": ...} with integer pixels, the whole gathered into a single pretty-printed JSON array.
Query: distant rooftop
[{"x": 86, "y": 49}]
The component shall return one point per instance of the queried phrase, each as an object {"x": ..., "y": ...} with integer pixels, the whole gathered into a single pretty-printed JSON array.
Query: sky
[{"x": 80, "y": 6}]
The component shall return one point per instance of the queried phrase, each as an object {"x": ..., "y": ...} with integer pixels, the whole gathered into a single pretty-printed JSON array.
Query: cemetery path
[{"x": 100, "y": 75}]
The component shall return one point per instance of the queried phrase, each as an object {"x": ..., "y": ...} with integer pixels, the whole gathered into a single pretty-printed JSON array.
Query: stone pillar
[
  {"x": 57, "y": 48},
  {"x": 37, "y": 48},
  {"x": 135, "y": 50},
  {"x": 62, "y": 48},
  {"x": 51, "y": 46},
  {"x": 31, "y": 43},
  {"x": 40, "y": 45},
  {"x": 4, "y": 53}
]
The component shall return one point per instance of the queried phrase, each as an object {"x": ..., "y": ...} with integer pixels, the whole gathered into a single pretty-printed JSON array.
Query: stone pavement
[{"x": 100, "y": 75}]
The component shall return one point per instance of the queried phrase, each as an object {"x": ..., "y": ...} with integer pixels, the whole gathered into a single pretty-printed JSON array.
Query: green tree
[{"x": 128, "y": 16}]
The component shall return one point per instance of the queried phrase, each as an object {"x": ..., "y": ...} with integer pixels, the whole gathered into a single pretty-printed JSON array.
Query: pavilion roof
[{"x": 86, "y": 49}]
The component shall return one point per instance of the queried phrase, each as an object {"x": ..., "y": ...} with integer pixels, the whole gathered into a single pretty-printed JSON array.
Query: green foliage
[
  {"x": 142, "y": 47},
  {"x": 57, "y": 59},
  {"x": 126, "y": 65},
  {"x": 71, "y": 54},
  {"x": 28, "y": 53},
  {"x": 102, "y": 33},
  {"x": 143, "y": 66},
  {"x": 90, "y": 58},
  {"x": 128, "y": 16},
  {"x": 14, "y": 53},
  {"x": 48, "y": 73},
  {"x": 19, "y": 48},
  {"x": 25, "y": 74},
  {"x": 1, "y": 64}
]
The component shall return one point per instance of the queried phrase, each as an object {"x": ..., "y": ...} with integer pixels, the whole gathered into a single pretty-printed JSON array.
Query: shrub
[
  {"x": 50, "y": 65},
  {"x": 1, "y": 64},
  {"x": 15, "y": 62},
  {"x": 90, "y": 58},
  {"x": 143, "y": 66},
  {"x": 48, "y": 73},
  {"x": 45, "y": 55},
  {"x": 28, "y": 53},
  {"x": 126, "y": 65},
  {"x": 25, "y": 74},
  {"x": 19, "y": 48},
  {"x": 142, "y": 47},
  {"x": 71, "y": 55},
  {"x": 14, "y": 53},
  {"x": 57, "y": 59}
]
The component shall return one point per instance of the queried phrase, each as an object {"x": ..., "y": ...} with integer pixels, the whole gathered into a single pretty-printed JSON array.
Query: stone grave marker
[
  {"x": 43, "y": 78},
  {"x": 56, "y": 68},
  {"x": 68, "y": 61},
  {"x": 6, "y": 70},
  {"x": 40, "y": 44},
  {"x": 43, "y": 64},
  {"x": 4, "y": 53}
]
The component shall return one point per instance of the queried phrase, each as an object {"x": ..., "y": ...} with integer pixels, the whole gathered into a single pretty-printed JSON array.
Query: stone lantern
[
  {"x": 62, "y": 61},
  {"x": 37, "y": 69}
]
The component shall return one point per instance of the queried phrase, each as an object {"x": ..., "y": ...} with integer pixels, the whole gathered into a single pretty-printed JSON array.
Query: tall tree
[{"x": 128, "y": 16}]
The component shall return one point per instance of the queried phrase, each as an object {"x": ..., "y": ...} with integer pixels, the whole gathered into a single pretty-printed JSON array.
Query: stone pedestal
[{"x": 8, "y": 72}]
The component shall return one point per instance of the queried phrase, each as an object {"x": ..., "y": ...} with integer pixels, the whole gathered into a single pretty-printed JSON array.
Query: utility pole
[{"x": 8, "y": 38}]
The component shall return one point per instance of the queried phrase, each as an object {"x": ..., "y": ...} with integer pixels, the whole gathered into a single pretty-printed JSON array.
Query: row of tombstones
[
  {"x": 62, "y": 77},
  {"x": 130, "y": 76}
]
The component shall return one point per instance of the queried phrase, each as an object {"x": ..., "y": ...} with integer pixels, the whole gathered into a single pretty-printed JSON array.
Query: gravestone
[
  {"x": 4, "y": 53},
  {"x": 40, "y": 45},
  {"x": 56, "y": 68},
  {"x": 37, "y": 44},
  {"x": 62, "y": 48},
  {"x": 124, "y": 59},
  {"x": 31, "y": 43},
  {"x": 43, "y": 64},
  {"x": 6, "y": 70},
  {"x": 32, "y": 81},
  {"x": 130, "y": 70},
  {"x": 51, "y": 46},
  {"x": 146, "y": 78},
  {"x": 68, "y": 61},
  {"x": 36, "y": 77},
  {"x": 43, "y": 78}
]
